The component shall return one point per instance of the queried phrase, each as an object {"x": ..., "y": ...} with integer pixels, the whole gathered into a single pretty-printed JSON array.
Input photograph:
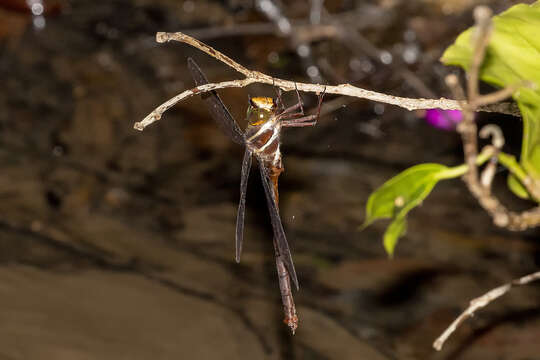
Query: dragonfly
[{"x": 266, "y": 117}]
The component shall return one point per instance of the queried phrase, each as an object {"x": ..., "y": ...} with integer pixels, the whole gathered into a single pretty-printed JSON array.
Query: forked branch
[{"x": 252, "y": 76}]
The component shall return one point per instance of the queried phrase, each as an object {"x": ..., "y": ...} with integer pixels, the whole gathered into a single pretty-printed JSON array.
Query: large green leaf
[
  {"x": 396, "y": 197},
  {"x": 513, "y": 55}
]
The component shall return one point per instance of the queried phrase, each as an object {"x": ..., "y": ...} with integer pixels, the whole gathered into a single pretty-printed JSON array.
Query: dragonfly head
[{"x": 260, "y": 110}]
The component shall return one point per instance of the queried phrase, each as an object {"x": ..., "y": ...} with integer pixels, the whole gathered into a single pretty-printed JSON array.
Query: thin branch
[
  {"x": 499, "y": 95},
  {"x": 162, "y": 37},
  {"x": 158, "y": 112},
  {"x": 258, "y": 77},
  {"x": 481, "y": 302}
]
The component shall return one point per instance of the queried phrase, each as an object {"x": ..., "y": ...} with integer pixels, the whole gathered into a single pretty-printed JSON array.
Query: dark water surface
[{"x": 117, "y": 244}]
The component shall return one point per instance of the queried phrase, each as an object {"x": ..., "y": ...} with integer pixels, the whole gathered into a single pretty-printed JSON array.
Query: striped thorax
[{"x": 263, "y": 130}]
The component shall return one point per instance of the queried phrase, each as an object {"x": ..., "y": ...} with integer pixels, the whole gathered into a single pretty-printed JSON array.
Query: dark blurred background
[{"x": 119, "y": 244}]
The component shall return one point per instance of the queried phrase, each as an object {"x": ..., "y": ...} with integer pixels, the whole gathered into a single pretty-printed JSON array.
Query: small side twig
[
  {"x": 158, "y": 112},
  {"x": 481, "y": 302},
  {"x": 498, "y": 142},
  {"x": 252, "y": 76}
]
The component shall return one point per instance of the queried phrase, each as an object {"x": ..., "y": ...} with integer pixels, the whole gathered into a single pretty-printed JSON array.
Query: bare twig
[
  {"x": 499, "y": 95},
  {"x": 156, "y": 114},
  {"x": 481, "y": 302},
  {"x": 258, "y": 77}
]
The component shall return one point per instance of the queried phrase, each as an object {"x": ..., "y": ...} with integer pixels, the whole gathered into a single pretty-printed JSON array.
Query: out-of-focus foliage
[{"x": 513, "y": 56}]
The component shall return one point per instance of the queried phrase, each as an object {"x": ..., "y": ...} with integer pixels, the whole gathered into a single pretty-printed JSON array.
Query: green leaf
[
  {"x": 513, "y": 55},
  {"x": 396, "y": 197},
  {"x": 393, "y": 232},
  {"x": 516, "y": 187},
  {"x": 402, "y": 192},
  {"x": 530, "y": 153}
]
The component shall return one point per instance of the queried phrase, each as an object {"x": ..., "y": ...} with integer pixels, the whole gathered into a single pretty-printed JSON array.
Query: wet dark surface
[{"x": 120, "y": 244}]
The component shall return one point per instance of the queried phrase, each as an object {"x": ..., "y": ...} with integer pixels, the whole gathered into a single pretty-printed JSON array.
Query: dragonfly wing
[
  {"x": 246, "y": 166},
  {"x": 218, "y": 110},
  {"x": 279, "y": 233}
]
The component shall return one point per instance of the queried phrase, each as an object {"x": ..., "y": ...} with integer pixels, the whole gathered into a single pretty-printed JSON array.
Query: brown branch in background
[
  {"x": 499, "y": 95},
  {"x": 285, "y": 29},
  {"x": 480, "y": 186},
  {"x": 258, "y": 77},
  {"x": 363, "y": 17},
  {"x": 481, "y": 302},
  {"x": 350, "y": 37},
  {"x": 216, "y": 32}
]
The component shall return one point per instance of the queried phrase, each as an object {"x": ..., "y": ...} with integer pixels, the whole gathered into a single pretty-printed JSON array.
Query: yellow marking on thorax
[{"x": 265, "y": 103}]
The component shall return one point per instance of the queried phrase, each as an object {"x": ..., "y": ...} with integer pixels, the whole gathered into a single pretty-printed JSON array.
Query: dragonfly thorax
[
  {"x": 263, "y": 130},
  {"x": 260, "y": 110}
]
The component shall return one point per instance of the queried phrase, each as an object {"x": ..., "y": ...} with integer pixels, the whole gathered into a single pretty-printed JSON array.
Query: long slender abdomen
[{"x": 291, "y": 318}]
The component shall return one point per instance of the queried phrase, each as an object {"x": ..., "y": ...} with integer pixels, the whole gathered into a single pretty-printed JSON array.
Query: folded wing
[
  {"x": 277, "y": 226},
  {"x": 217, "y": 109},
  {"x": 246, "y": 166}
]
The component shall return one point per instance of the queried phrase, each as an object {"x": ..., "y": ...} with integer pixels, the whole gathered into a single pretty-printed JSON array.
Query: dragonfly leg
[
  {"x": 279, "y": 101},
  {"x": 299, "y": 99},
  {"x": 299, "y": 116},
  {"x": 301, "y": 121},
  {"x": 291, "y": 120},
  {"x": 299, "y": 124},
  {"x": 289, "y": 111}
]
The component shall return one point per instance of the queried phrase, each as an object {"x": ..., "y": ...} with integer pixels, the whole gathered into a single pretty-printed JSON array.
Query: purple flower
[{"x": 444, "y": 119}]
